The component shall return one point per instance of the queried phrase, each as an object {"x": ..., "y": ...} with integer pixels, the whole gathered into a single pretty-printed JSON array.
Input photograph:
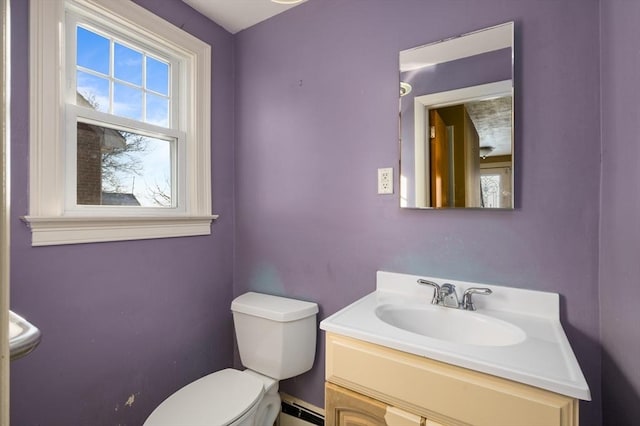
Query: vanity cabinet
[
  {"x": 348, "y": 408},
  {"x": 370, "y": 385}
]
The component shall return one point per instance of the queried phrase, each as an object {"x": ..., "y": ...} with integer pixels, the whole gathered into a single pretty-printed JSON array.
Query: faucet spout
[{"x": 448, "y": 296}]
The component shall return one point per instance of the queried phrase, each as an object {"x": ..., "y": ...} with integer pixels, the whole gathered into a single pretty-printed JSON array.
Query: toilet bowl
[
  {"x": 227, "y": 397},
  {"x": 276, "y": 340}
]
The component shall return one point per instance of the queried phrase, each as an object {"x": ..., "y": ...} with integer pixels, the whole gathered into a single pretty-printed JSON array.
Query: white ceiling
[{"x": 236, "y": 15}]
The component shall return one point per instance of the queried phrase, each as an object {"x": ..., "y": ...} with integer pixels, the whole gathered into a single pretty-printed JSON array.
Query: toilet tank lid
[{"x": 276, "y": 308}]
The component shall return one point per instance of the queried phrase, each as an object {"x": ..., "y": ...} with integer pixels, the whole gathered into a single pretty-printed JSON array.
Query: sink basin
[
  {"x": 451, "y": 325},
  {"x": 14, "y": 330},
  {"x": 23, "y": 336}
]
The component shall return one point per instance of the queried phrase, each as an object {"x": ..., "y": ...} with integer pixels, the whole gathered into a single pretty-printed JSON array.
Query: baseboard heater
[{"x": 293, "y": 414}]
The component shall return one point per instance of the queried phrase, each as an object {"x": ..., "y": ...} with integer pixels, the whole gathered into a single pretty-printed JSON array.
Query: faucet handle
[
  {"x": 467, "y": 302},
  {"x": 436, "y": 290}
]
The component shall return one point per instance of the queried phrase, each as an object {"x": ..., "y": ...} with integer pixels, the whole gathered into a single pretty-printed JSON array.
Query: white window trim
[{"x": 50, "y": 223}]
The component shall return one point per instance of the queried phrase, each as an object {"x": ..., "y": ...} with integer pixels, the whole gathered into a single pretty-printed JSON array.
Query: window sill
[{"x": 47, "y": 231}]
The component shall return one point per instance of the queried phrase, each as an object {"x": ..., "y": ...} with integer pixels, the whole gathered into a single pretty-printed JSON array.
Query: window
[
  {"x": 116, "y": 85},
  {"x": 495, "y": 184},
  {"x": 120, "y": 142}
]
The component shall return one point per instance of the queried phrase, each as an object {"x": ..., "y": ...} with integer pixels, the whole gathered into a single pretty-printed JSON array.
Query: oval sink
[
  {"x": 23, "y": 336},
  {"x": 451, "y": 325}
]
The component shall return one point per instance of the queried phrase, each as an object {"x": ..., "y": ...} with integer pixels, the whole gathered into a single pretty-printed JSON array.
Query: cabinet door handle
[{"x": 396, "y": 417}]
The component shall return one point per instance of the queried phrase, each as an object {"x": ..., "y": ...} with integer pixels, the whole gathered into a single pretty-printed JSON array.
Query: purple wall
[
  {"x": 138, "y": 318},
  {"x": 620, "y": 212},
  {"x": 316, "y": 115}
]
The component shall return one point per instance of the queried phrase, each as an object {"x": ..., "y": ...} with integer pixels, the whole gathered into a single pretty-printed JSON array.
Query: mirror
[{"x": 456, "y": 122}]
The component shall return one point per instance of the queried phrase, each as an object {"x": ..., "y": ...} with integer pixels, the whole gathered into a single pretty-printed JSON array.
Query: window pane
[
  {"x": 127, "y": 64},
  {"x": 127, "y": 101},
  {"x": 490, "y": 188},
  {"x": 121, "y": 168},
  {"x": 92, "y": 51},
  {"x": 157, "y": 110},
  {"x": 92, "y": 91},
  {"x": 158, "y": 76}
]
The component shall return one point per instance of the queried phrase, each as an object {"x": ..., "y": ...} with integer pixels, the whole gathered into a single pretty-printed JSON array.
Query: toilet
[{"x": 276, "y": 340}]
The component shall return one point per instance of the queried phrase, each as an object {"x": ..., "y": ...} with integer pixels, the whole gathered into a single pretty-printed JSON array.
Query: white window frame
[{"x": 51, "y": 218}]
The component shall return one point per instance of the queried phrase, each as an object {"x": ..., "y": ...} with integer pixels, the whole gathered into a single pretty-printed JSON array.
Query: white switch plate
[{"x": 385, "y": 180}]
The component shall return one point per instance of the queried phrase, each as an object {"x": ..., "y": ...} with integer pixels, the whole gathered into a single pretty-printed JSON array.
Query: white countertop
[{"x": 543, "y": 359}]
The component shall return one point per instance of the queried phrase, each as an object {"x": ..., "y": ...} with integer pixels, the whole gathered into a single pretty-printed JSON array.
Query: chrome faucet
[
  {"x": 447, "y": 296},
  {"x": 467, "y": 302},
  {"x": 436, "y": 291}
]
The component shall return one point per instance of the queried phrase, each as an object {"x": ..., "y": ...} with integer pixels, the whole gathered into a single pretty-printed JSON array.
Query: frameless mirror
[{"x": 456, "y": 122}]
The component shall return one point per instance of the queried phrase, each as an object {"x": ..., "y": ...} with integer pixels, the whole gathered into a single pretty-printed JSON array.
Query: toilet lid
[{"x": 216, "y": 399}]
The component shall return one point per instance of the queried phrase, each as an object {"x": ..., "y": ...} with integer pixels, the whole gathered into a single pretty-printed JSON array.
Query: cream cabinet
[
  {"x": 348, "y": 408},
  {"x": 370, "y": 385}
]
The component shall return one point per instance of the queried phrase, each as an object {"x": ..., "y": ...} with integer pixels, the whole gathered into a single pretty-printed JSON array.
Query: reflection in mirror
[{"x": 456, "y": 121}]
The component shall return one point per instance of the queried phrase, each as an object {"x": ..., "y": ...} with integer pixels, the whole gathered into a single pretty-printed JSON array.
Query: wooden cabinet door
[{"x": 346, "y": 408}]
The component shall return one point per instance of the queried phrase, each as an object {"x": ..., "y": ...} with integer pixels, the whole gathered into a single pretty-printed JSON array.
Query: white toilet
[{"x": 276, "y": 339}]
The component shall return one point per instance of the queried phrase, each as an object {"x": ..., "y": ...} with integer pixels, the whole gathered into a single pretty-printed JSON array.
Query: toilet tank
[{"x": 276, "y": 335}]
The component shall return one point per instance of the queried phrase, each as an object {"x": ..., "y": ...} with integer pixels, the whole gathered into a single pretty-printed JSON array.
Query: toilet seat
[{"x": 217, "y": 399}]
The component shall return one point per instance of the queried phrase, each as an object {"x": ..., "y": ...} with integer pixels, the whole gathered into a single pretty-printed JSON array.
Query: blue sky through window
[
  {"x": 127, "y": 64},
  {"x": 122, "y": 80},
  {"x": 93, "y": 51},
  {"x": 127, "y": 101},
  {"x": 157, "y": 76},
  {"x": 95, "y": 90}
]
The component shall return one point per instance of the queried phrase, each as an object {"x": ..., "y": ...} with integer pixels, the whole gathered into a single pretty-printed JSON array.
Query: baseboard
[{"x": 295, "y": 412}]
